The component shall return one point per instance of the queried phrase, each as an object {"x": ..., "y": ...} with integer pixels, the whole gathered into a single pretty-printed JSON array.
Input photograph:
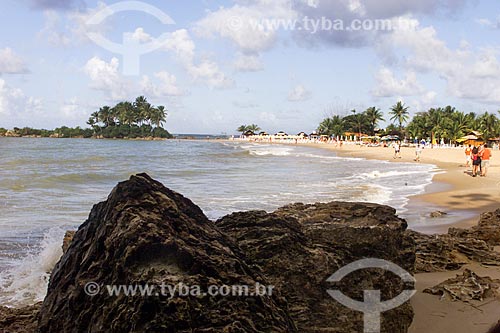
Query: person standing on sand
[
  {"x": 397, "y": 150},
  {"x": 476, "y": 161},
  {"x": 485, "y": 155},
  {"x": 479, "y": 153},
  {"x": 468, "y": 151},
  {"x": 418, "y": 152}
]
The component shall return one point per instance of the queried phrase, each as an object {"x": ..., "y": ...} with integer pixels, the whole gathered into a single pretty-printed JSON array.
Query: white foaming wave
[
  {"x": 26, "y": 282},
  {"x": 326, "y": 157},
  {"x": 381, "y": 174},
  {"x": 274, "y": 151},
  {"x": 376, "y": 194}
]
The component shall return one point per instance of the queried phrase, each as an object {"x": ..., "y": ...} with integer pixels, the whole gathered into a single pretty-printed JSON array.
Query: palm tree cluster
[
  {"x": 445, "y": 123},
  {"x": 129, "y": 119},
  {"x": 451, "y": 124},
  {"x": 363, "y": 122},
  {"x": 248, "y": 128}
]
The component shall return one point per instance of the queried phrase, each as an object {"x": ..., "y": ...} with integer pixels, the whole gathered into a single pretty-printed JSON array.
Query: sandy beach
[{"x": 453, "y": 189}]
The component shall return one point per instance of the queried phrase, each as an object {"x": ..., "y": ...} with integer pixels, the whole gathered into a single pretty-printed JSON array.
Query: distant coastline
[{"x": 54, "y": 134}]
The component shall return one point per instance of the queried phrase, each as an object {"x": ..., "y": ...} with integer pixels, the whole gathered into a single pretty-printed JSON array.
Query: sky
[{"x": 216, "y": 65}]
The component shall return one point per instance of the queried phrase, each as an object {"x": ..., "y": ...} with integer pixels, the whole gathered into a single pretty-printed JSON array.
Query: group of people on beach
[
  {"x": 397, "y": 151},
  {"x": 478, "y": 157}
]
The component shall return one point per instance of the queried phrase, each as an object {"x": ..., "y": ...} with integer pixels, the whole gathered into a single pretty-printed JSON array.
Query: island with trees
[{"x": 126, "y": 120}]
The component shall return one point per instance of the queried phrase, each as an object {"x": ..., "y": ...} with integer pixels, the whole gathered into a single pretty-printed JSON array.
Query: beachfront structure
[{"x": 473, "y": 138}]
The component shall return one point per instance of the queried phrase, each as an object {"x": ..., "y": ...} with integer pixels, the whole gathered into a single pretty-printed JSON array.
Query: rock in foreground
[
  {"x": 20, "y": 320},
  {"x": 299, "y": 246},
  {"x": 144, "y": 234},
  {"x": 466, "y": 287}
]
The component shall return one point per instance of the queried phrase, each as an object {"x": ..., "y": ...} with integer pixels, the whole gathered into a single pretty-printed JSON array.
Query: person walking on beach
[
  {"x": 476, "y": 161},
  {"x": 418, "y": 152},
  {"x": 485, "y": 155},
  {"x": 468, "y": 151},
  {"x": 480, "y": 153},
  {"x": 397, "y": 150}
]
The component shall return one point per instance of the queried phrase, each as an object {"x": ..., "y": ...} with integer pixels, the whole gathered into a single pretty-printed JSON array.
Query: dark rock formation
[
  {"x": 437, "y": 214},
  {"x": 299, "y": 246},
  {"x": 68, "y": 237},
  {"x": 487, "y": 229},
  {"x": 466, "y": 287},
  {"x": 22, "y": 320},
  {"x": 458, "y": 247},
  {"x": 144, "y": 234}
]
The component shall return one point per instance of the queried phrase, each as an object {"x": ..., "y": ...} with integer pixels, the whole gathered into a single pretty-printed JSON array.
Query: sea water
[{"x": 48, "y": 186}]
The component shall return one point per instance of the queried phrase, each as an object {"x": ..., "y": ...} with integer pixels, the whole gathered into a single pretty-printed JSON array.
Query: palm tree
[
  {"x": 454, "y": 132},
  {"x": 124, "y": 112},
  {"x": 146, "y": 113},
  {"x": 332, "y": 126},
  {"x": 435, "y": 123},
  {"x": 106, "y": 116},
  {"x": 399, "y": 113},
  {"x": 254, "y": 128},
  {"x": 242, "y": 129},
  {"x": 160, "y": 116},
  {"x": 374, "y": 115},
  {"x": 139, "y": 105},
  {"x": 489, "y": 125}
]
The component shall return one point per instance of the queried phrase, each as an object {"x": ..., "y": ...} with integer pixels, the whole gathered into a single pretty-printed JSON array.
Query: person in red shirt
[{"x": 485, "y": 160}]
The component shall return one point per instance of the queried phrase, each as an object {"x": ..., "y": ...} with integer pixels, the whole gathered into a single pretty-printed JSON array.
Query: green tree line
[
  {"x": 445, "y": 123},
  {"x": 138, "y": 119}
]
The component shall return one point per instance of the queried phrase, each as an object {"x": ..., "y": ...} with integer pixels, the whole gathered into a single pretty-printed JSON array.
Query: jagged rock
[
  {"x": 143, "y": 234},
  {"x": 487, "y": 229},
  {"x": 466, "y": 287},
  {"x": 21, "y": 320},
  {"x": 299, "y": 246},
  {"x": 437, "y": 214},
  {"x": 458, "y": 247},
  {"x": 68, "y": 237}
]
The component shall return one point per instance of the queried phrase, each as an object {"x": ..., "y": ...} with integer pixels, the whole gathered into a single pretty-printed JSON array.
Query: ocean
[{"x": 48, "y": 186}]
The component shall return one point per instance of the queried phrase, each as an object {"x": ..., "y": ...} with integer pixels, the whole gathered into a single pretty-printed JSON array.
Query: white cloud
[
  {"x": 468, "y": 74},
  {"x": 15, "y": 105},
  {"x": 167, "y": 85},
  {"x": 51, "y": 32},
  {"x": 489, "y": 23},
  {"x": 387, "y": 85},
  {"x": 248, "y": 63},
  {"x": 73, "y": 110},
  {"x": 139, "y": 35},
  {"x": 267, "y": 117},
  {"x": 11, "y": 63},
  {"x": 105, "y": 77},
  {"x": 243, "y": 25},
  {"x": 205, "y": 71},
  {"x": 70, "y": 28},
  {"x": 299, "y": 93}
]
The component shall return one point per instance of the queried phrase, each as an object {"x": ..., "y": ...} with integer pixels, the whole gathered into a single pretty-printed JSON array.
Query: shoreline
[
  {"x": 461, "y": 193},
  {"x": 453, "y": 190}
]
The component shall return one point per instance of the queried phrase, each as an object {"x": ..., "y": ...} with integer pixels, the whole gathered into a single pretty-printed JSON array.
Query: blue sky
[{"x": 217, "y": 70}]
